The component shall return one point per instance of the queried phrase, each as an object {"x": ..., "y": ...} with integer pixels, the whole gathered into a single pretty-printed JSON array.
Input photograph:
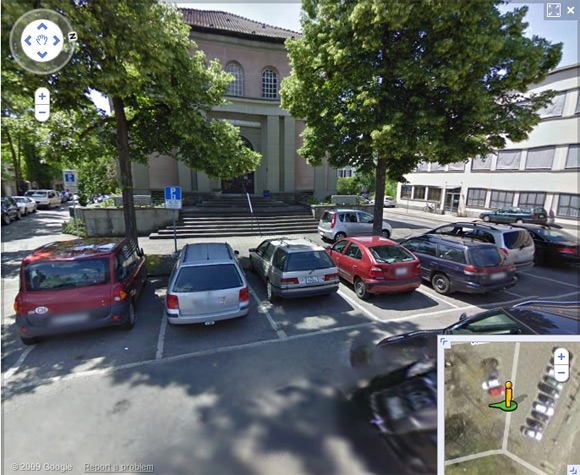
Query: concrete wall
[{"x": 111, "y": 222}]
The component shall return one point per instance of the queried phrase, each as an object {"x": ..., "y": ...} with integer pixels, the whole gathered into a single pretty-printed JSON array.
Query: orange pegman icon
[{"x": 508, "y": 393}]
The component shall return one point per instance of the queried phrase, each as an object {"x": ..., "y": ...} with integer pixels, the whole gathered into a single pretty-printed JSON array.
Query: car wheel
[
  {"x": 270, "y": 292},
  {"x": 486, "y": 219},
  {"x": 130, "y": 323},
  {"x": 339, "y": 236},
  {"x": 18, "y": 215},
  {"x": 6, "y": 219},
  {"x": 519, "y": 221},
  {"x": 29, "y": 341},
  {"x": 360, "y": 289},
  {"x": 386, "y": 233},
  {"x": 441, "y": 284}
]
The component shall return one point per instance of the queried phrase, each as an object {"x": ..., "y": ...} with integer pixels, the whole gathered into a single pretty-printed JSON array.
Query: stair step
[
  {"x": 201, "y": 229},
  {"x": 213, "y": 234},
  {"x": 245, "y": 219}
]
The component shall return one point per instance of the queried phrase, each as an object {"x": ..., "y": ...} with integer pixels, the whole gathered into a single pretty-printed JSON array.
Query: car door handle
[{"x": 354, "y": 267}]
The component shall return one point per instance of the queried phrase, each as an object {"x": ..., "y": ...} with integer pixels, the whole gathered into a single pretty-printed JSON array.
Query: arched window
[
  {"x": 269, "y": 84},
  {"x": 236, "y": 87}
]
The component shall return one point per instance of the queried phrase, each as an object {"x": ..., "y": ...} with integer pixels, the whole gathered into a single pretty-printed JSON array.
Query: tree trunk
[
  {"x": 125, "y": 168},
  {"x": 379, "y": 196},
  {"x": 16, "y": 163}
]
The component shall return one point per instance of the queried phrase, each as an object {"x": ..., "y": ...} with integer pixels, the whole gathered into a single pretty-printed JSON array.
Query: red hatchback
[
  {"x": 376, "y": 265},
  {"x": 78, "y": 285}
]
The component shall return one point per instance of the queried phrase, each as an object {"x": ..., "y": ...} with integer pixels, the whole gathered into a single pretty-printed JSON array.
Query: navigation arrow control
[
  {"x": 56, "y": 40},
  {"x": 42, "y": 25},
  {"x": 42, "y": 55},
  {"x": 27, "y": 40}
]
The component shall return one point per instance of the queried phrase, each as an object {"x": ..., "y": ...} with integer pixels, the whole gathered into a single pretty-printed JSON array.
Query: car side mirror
[
  {"x": 236, "y": 253},
  {"x": 328, "y": 248},
  {"x": 252, "y": 250},
  {"x": 463, "y": 316}
]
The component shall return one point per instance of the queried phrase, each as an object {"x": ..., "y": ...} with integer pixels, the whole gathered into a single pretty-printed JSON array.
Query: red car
[
  {"x": 376, "y": 265},
  {"x": 78, "y": 285}
]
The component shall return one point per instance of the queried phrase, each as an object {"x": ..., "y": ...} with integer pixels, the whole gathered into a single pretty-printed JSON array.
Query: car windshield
[
  {"x": 39, "y": 194},
  {"x": 555, "y": 235},
  {"x": 204, "y": 278},
  {"x": 309, "y": 260},
  {"x": 20, "y": 200},
  {"x": 517, "y": 239},
  {"x": 56, "y": 275},
  {"x": 486, "y": 257},
  {"x": 390, "y": 254}
]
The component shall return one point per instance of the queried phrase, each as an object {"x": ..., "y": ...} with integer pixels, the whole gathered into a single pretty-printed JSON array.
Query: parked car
[
  {"x": 25, "y": 204},
  {"x": 549, "y": 390},
  {"x": 513, "y": 241},
  {"x": 294, "y": 268},
  {"x": 10, "y": 210},
  {"x": 375, "y": 265},
  {"x": 207, "y": 285},
  {"x": 340, "y": 223},
  {"x": 553, "y": 245},
  {"x": 388, "y": 202},
  {"x": 44, "y": 198},
  {"x": 541, "y": 417},
  {"x": 546, "y": 400},
  {"x": 79, "y": 285},
  {"x": 547, "y": 411},
  {"x": 462, "y": 264},
  {"x": 535, "y": 434},
  {"x": 552, "y": 382},
  {"x": 516, "y": 215}
]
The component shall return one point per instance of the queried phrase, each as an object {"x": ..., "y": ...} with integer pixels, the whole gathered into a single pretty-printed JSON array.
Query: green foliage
[
  {"x": 346, "y": 186},
  {"x": 399, "y": 81},
  {"x": 391, "y": 188},
  {"x": 75, "y": 227},
  {"x": 97, "y": 177}
]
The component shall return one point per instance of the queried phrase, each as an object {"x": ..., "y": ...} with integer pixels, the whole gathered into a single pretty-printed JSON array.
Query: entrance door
[
  {"x": 240, "y": 184},
  {"x": 452, "y": 201}
]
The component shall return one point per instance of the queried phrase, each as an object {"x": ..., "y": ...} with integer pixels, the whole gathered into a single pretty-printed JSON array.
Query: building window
[
  {"x": 434, "y": 194},
  {"x": 569, "y": 205},
  {"x": 501, "y": 199},
  {"x": 269, "y": 84},
  {"x": 476, "y": 197},
  {"x": 508, "y": 159},
  {"x": 419, "y": 192},
  {"x": 540, "y": 158},
  {"x": 422, "y": 166},
  {"x": 573, "y": 158},
  {"x": 458, "y": 166},
  {"x": 555, "y": 108},
  {"x": 436, "y": 166},
  {"x": 532, "y": 200},
  {"x": 236, "y": 87},
  {"x": 405, "y": 191},
  {"x": 481, "y": 163},
  {"x": 344, "y": 173}
]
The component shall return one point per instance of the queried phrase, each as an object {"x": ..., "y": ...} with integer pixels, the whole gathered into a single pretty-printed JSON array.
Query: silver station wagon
[
  {"x": 294, "y": 268},
  {"x": 207, "y": 284},
  {"x": 338, "y": 224}
]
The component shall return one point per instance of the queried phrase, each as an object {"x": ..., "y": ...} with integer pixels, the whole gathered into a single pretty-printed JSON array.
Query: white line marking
[
  {"x": 161, "y": 339},
  {"x": 429, "y": 294},
  {"x": 263, "y": 307},
  {"x": 448, "y": 310},
  {"x": 551, "y": 280},
  {"x": 16, "y": 366},
  {"x": 514, "y": 294},
  {"x": 528, "y": 465},
  {"x": 513, "y": 380},
  {"x": 474, "y": 456},
  {"x": 360, "y": 307}
]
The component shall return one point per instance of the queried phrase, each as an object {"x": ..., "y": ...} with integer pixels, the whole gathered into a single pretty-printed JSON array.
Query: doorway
[
  {"x": 241, "y": 184},
  {"x": 452, "y": 200}
]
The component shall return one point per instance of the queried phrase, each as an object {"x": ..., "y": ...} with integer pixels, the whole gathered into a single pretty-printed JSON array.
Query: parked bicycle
[{"x": 430, "y": 208}]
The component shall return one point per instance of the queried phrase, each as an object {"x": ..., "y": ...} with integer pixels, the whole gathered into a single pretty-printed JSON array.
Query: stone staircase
[{"x": 228, "y": 216}]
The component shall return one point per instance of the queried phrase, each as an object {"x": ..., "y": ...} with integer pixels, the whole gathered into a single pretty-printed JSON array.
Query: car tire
[
  {"x": 360, "y": 290},
  {"x": 441, "y": 284},
  {"x": 339, "y": 236},
  {"x": 519, "y": 221},
  {"x": 487, "y": 219},
  {"x": 386, "y": 233},
  {"x": 130, "y": 323},
  {"x": 18, "y": 215},
  {"x": 6, "y": 219},
  {"x": 29, "y": 341},
  {"x": 270, "y": 292}
]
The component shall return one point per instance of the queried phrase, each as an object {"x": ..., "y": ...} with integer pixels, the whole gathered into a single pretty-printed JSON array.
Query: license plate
[
  {"x": 309, "y": 279},
  {"x": 497, "y": 276},
  {"x": 401, "y": 271},
  {"x": 70, "y": 319}
]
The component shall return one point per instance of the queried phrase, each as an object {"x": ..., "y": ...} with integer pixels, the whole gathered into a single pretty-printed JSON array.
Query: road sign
[
  {"x": 69, "y": 178},
  {"x": 173, "y": 197}
]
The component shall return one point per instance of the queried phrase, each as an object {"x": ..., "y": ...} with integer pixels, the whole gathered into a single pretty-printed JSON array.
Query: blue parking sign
[{"x": 173, "y": 197}]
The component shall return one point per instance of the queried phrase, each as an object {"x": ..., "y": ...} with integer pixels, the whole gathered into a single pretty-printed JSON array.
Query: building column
[
  {"x": 272, "y": 149},
  {"x": 289, "y": 154},
  {"x": 319, "y": 182},
  {"x": 203, "y": 185},
  {"x": 184, "y": 176},
  {"x": 140, "y": 179}
]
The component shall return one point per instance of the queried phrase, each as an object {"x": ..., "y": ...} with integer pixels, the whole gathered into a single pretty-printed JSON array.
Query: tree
[
  {"x": 140, "y": 56},
  {"x": 383, "y": 84}
]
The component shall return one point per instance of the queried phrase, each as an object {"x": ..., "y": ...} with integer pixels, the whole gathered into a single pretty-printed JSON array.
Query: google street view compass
[
  {"x": 42, "y": 41},
  {"x": 509, "y": 404}
]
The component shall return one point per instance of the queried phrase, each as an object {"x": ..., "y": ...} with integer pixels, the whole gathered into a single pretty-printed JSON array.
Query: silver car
[
  {"x": 340, "y": 223},
  {"x": 25, "y": 204},
  {"x": 207, "y": 284},
  {"x": 294, "y": 268}
]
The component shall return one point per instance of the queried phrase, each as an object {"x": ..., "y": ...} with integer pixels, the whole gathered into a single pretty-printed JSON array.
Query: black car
[
  {"x": 549, "y": 390},
  {"x": 10, "y": 210},
  {"x": 553, "y": 246},
  {"x": 543, "y": 418},
  {"x": 402, "y": 406},
  {"x": 546, "y": 400}
]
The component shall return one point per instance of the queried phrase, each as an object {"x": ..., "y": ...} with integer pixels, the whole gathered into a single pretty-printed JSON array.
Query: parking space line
[
  {"x": 428, "y": 314},
  {"x": 551, "y": 280},
  {"x": 18, "y": 363},
  {"x": 262, "y": 307},
  {"x": 514, "y": 294},
  {"x": 359, "y": 306},
  {"x": 161, "y": 339},
  {"x": 429, "y": 294}
]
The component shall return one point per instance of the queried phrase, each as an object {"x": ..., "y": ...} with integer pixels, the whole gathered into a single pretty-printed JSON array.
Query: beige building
[
  {"x": 542, "y": 171},
  {"x": 254, "y": 53}
]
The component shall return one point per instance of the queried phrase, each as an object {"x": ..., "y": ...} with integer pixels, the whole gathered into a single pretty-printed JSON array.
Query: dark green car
[{"x": 516, "y": 215}]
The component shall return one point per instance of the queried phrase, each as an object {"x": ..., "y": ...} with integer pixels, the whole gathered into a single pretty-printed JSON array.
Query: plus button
[
  {"x": 561, "y": 356},
  {"x": 42, "y": 96}
]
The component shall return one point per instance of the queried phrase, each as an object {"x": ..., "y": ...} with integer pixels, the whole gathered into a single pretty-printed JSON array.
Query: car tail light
[
  {"x": 376, "y": 271},
  {"x": 119, "y": 294},
  {"x": 533, "y": 215},
  {"x": 291, "y": 280},
  {"x": 330, "y": 276},
  {"x": 418, "y": 268},
  {"x": 18, "y": 307},
  {"x": 172, "y": 302},
  {"x": 471, "y": 270},
  {"x": 568, "y": 250},
  {"x": 244, "y": 295},
  {"x": 333, "y": 221},
  {"x": 504, "y": 250}
]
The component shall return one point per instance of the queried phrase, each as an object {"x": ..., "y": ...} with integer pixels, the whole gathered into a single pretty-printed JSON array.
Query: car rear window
[
  {"x": 309, "y": 260},
  {"x": 486, "y": 257},
  {"x": 554, "y": 235},
  {"x": 390, "y": 254},
  {"x": 59, "y": 275},
  {"x": 40, "y": 194},
  {"x": 210, "y": 277},
  {"x": 326, "y": 217},
  {"x": 517, "y": 239}
]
